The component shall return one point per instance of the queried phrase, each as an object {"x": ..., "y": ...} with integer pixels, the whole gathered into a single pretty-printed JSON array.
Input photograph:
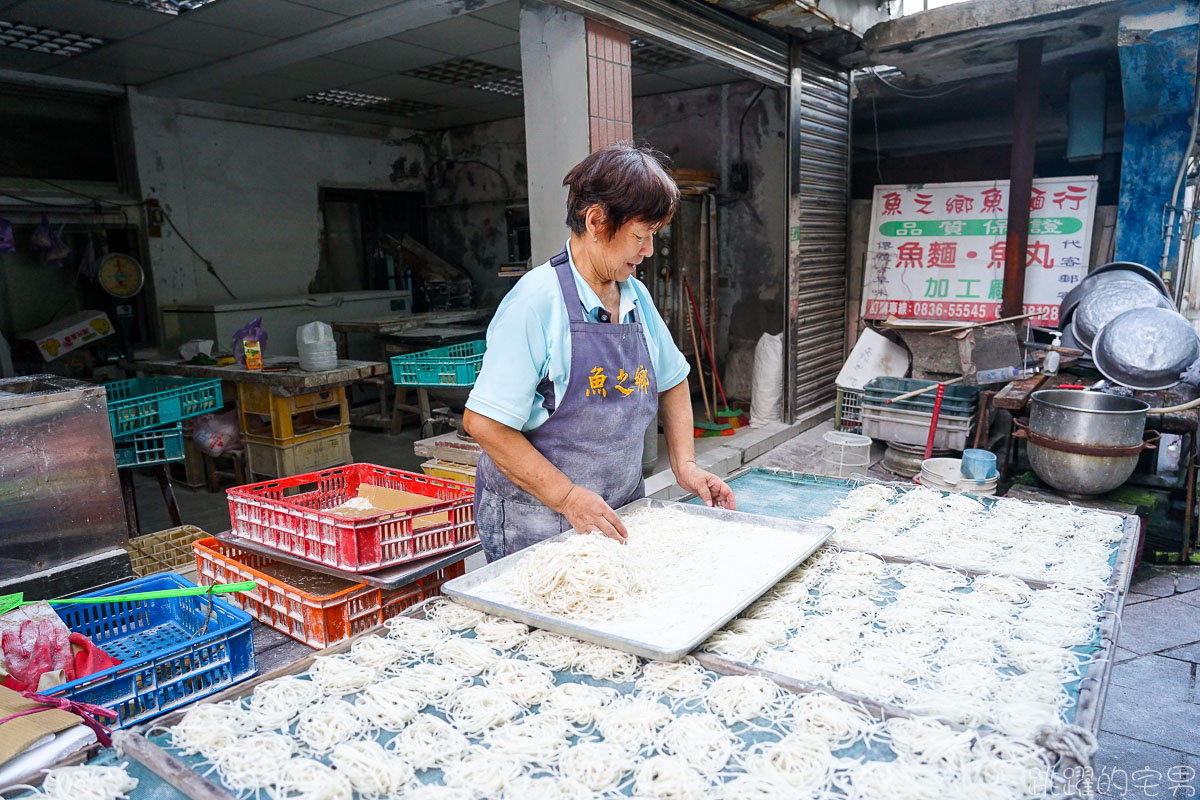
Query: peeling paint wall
[
  {"x": 474, "y": 174},
  {"x": 247, "y": 197},
  {"x": 698, "y": 129}
]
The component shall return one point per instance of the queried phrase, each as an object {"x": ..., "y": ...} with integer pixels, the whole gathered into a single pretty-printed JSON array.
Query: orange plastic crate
[
  {"x": 291, "y": 514},
  {"x": 317, "y": 619}
]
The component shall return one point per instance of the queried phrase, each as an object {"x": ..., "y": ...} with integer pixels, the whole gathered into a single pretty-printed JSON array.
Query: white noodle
[
  {"x": 701, "y": 739},
  {"x": 680, "y": 680},
  {"x": 380, "y": 654},
  {"x": 577, "y": 703},
  {"x": 475, "y": 709},
  {"x": 600, "y": 766},
  {"x": 252, "y": 762},
  {"x": 429, "y": 742},
  {"x": 87, "y": 782},
  {"x": 389, "y": 705},
  {"x": 482, "y": 773},
  {"x": 631, "y": 722},
  {"x": 209, "y": 728},
  {"x": 472, "y": 656},
  {"x": 740, "y": 698},
  {"x": 453, "y": 615},
  {"x": 553, "y": 650},
  {"x": 371, "y": 770},
  {"x": 523, "y": 682},
  {"x": 669, "y": 778},
  {"x": 276, "y": 703},
  {"x": 503, "y": 633},
  {"x": 420, "y": 636},
  {"x": 605, "y": 663},
  {"x": 306, "y": 779},
  {"x": 801, "y": 761},
  {"x": 327, "y": 723},
  {"x": 339, "y": 676}
]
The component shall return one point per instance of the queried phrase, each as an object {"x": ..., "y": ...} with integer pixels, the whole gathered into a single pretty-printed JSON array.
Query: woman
[{"x": 578, "y": 363}]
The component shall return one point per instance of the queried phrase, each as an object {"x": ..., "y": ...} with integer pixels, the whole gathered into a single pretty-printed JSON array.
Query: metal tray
[{"x": 463, "y": 589}]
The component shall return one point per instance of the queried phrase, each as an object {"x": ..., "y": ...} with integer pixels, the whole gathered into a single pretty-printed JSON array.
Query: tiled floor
[{"x": 1150, "y": 740}]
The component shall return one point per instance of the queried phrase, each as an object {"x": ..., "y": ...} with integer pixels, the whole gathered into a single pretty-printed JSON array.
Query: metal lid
[
  {"x": 1146, "y": 348},
  {"x": 1134, "y": 268},
  {"x": 1108, "y": 301}
]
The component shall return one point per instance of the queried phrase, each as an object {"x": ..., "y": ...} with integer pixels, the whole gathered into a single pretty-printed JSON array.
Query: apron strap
[{"x": 566, "y": 282}]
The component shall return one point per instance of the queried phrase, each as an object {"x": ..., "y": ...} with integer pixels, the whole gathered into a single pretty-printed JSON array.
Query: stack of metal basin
[{"x": 1123, "y": 319}]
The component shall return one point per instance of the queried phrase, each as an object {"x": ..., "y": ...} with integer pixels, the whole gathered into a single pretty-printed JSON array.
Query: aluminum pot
[{"x": 1084, "y": 443}]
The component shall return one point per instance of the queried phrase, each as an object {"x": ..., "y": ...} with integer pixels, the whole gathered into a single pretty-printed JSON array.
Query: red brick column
[{"x": 610, "y": 97}]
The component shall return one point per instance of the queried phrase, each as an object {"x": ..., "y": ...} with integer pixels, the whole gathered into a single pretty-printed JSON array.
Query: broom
[
  {"x": 701, "y": 430},
  {"x": 733, "y": 417}
]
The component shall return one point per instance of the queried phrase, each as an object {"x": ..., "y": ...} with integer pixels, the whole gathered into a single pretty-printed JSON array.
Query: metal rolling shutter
[{"x": 819, "y": 163}]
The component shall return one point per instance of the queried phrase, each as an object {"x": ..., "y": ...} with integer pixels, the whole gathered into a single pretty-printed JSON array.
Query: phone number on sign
[{"x": 880, "y": 309}]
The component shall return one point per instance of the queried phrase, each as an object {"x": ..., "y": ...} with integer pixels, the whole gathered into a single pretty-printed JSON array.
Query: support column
[
  {"x": 1020, "y": 174},
  {"x": 610, "y": 99},
  {"x": 578, "y": 98}
]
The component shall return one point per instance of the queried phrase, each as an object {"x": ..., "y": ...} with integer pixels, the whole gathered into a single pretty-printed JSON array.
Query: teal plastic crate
[
  {"x": 172, "y": 651},
  {"x": 139, "y": 404},
  {"x": 456, "y": 365},
  {"x": 158, "y": 446},
  {"x": 957, "y": 399}
]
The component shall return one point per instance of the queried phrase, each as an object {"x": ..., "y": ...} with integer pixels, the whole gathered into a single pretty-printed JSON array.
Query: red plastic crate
[
  {"x": 291, "y": 514},
  {"x": 318, "y": 620}
]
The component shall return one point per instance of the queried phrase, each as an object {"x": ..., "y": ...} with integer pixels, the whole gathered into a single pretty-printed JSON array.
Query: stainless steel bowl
[
  {"x": 1108, "y": 301},
  {"x": 1114, "y": 271},
  {"x": 1146, "y": 348},
  {"x": 1132, "y": 267}
]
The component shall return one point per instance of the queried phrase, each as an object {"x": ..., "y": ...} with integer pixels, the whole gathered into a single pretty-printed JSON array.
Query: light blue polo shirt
[{"x": 530, "y": 339}]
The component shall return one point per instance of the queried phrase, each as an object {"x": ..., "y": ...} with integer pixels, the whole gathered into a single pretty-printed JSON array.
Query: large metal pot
[{"x": 1084, "y": 443}]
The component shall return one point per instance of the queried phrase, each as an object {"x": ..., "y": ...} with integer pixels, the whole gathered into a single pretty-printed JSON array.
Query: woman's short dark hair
[{"x": 629, "y": 182}]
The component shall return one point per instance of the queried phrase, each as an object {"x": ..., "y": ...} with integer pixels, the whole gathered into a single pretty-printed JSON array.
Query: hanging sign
[{"x": 936, "y": 251}]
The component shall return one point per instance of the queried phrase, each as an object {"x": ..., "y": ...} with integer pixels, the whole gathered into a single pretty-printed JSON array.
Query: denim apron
[{"x": 594, "y": 434}]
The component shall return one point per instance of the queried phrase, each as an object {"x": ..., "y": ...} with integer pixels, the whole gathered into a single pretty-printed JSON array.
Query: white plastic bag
[
  {"x": 766, "y": 391},
  {"x": 316, "y": 347},
  {"x": 216, "y": 433}
]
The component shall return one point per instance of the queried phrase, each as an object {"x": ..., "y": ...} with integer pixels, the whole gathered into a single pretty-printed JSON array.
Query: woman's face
[{"x": 632, "y": 242}]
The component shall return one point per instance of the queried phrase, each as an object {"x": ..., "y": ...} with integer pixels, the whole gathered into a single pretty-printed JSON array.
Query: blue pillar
[{"x": 1157, "y": 43}]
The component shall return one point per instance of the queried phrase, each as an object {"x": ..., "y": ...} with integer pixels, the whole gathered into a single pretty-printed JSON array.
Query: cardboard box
[
  {"x": 70, "y": 333},
  {"x": 383, "y": 499}
]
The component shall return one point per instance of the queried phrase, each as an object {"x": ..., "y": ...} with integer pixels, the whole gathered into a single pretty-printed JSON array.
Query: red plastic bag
[{"x": 33, "y": 640}]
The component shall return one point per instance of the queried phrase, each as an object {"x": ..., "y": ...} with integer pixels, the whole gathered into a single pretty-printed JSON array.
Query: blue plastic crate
[
  {"x": 456, "y": 365},
  {"x": 151, "y": 447},
  {"x": 170, "y": 656},
  {"x": 139, "y": 404}
]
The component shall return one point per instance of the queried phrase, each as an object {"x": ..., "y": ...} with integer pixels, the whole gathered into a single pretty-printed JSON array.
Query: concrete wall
[
  {"x": 474, "y": 174},
  {"x": 246, "y": 196},
  {"x": 698, "y": 129}
]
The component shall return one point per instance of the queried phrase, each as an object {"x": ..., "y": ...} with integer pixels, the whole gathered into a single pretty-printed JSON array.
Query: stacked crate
[
  {"x": 455, "y": 366},
  {"x": 280, "y": 524},
  {"x": 145, "y": 415},
  {"x": 288, "y": 435}
]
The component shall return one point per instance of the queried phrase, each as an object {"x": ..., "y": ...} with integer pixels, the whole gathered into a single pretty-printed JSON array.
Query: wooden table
[
  {"x": 409, "y": 334},
  {"x": 291, "y": 383}
]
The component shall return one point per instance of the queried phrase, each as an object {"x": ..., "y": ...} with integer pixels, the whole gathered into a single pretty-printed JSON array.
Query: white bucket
[{"x": 946, "y": 475}]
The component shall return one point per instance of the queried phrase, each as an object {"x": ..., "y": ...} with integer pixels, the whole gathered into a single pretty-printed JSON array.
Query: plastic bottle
[
  {"x": 997, "y": 375},
  {"x": 1050, "y": 363},
  {"x": 316, "y": 347}
]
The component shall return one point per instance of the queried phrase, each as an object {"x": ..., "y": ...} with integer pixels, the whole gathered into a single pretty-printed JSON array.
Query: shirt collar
[{"x": 591, "y": 301}]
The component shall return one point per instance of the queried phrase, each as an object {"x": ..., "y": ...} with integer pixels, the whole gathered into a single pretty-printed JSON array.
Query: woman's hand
[
  {"x": 587, "y": 512},
  {"x": 708, "y": 487}
]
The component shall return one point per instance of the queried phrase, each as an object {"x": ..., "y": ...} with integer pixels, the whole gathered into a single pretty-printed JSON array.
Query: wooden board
[{"x": 285, "y": 384}]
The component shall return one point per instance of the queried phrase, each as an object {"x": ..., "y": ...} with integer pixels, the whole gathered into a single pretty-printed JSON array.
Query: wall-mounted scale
[{"x": 122, "y": 277}]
